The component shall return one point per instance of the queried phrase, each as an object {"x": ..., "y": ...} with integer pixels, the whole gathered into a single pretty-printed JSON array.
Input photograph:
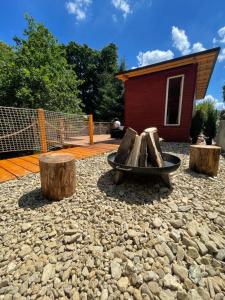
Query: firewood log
[
  {"x": 134, "y": 155},
  {"x": 125, "y": 146},
  {"x": 143, "y": 150}
]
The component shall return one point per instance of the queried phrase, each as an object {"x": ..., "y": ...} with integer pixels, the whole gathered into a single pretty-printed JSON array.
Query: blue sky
[{"x": 145, "y": 31}]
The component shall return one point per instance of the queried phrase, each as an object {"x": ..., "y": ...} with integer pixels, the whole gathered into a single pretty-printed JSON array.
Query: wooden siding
[{"x": 145, "y": 102}]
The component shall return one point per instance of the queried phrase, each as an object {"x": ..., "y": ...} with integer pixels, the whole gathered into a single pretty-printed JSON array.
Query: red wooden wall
[{"x": 145, "y": 98}]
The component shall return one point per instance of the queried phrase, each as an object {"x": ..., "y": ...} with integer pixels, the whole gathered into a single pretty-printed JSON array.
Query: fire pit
[
  {"x": 171, "y": 164},
  {"x": 142, "y": 155}
]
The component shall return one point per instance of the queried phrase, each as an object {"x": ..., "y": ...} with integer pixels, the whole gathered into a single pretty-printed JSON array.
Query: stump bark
[
  {"x": 205, "y": 159},
  {"x": 58, "y": 176}
]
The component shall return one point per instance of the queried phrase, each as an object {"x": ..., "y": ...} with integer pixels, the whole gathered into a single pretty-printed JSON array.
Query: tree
[
  {"x": 84, "y": 62},
  {"x": 204, "y": 120},
  {"x": 197, "y": 125},
  {"x": 110, "y": 90},
  {"x": 37, "y": 73},
  {"x": 101, "y": 93}
]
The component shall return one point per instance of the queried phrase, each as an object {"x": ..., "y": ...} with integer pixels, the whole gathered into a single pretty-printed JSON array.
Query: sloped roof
[{"x": 205, "y": 59}]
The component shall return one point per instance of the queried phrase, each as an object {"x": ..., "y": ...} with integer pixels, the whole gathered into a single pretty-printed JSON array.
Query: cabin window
[{"x": 174, "y": 95}]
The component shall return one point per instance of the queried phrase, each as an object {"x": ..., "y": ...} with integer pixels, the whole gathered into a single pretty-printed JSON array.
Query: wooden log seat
[
  {"x": 58, "y": 176},
  {"x": 205, "y": 159}
]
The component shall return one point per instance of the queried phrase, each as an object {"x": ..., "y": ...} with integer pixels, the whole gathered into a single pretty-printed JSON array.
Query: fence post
[
  {"x": 91, "y": 129},
  {"x": 41, "y": 123}
]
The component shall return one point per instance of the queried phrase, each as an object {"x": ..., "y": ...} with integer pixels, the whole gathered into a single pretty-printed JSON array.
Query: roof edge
[{"x": 216, "y": 49}]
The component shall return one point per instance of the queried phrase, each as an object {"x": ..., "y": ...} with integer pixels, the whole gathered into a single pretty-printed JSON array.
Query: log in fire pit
[{"x": 142, "y": 155}]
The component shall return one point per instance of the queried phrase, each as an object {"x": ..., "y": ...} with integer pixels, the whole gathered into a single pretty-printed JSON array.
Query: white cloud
[
  {"x": 218, "y": 104},
  {"x": 221, "y": 56},
  {"x": 151, "y": 57},
  {"x": 221, "y": 36},
  {"x": 114, "y": 17},
  {"x": 78, "y": 8},
  {"x": 180, "y": 40},
  {"x": 197, "y": 47},
  {"x": 123, "y": 6}
]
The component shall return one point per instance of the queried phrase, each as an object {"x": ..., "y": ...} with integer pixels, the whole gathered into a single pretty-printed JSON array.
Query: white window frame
[{"x": 180, "y": 99}]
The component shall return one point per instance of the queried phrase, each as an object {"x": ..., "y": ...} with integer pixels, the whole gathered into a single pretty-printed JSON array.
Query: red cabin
[{"x": 163, "y": 94}]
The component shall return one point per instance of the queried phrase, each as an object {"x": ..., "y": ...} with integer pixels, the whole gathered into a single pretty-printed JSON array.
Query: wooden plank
[
  {"x": 30, "y": 159},
  {"x": 5, "y": 176},
  {"x": 25, "y": 164},
  {"x": 13, "y": 168}
]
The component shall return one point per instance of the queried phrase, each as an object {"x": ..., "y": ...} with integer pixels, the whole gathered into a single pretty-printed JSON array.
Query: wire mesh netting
[
  {"x": 102, "y": 128},
  {"x": 64, "y": 128},
  {"x": 20, "y": 129}
]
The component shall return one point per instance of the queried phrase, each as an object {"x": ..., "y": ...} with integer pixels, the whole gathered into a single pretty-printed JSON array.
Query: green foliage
[
  {"x": 36, "y": 74},
  {"x": 101, "y": 93},
  {"x": 197, "y": 125},
  {"x": 222, "y": 115},
  {"x": 210, "y": 124},
  {"x": 204, "y": 121}
]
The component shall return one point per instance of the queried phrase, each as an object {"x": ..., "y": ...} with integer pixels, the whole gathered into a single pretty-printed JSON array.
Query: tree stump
[
  {"x": 58, "y": 177},
  {"x": 205, "y": 159}
]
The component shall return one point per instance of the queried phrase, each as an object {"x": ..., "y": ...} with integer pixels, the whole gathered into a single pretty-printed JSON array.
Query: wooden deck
[{"x": 14, "y": 168}]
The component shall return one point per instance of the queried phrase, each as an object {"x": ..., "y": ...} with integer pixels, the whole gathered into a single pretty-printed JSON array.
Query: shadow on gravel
[
  {"x": 135, "y": 189},
  {"x": 196, "y": 175},
  {"x": 33, "y": 200}
]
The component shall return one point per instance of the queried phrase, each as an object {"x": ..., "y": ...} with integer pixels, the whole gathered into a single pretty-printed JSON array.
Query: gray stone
[
  {"x": 25, "y": 227},
  {"x": 154, "y": 287},
  {"x": 211, "y": 246},
  {"x": 182, "y": 295},
  {"x": 175, "y": 235},
  {"x": 123, "y": 283},
  {"x": 150, "y": 276},
  {"x": 195, "y": 273},
  {"x": 104, "y": 294},
  {"x": 192, "y": 228},
  {"x": 168, "y": 252},
  {"x": 221, "y": 254},
  {"x": 25, "y": 250},
  {"x": 132, "y": 233},
  {"x": 177, "y": 223},
  {"x": 193, "y": 295},
  {"x": 180, "y": 271},
  {"x": 115, "y": 270},
  {"x": 157, "y": 222},
  {"x": 170, "y": 282},
  {"x": 202, "y": 248},
  {"x": 137, "y": 294},
  {"x": 193, "y": 252},
  {"x": 48, "y": 273}
]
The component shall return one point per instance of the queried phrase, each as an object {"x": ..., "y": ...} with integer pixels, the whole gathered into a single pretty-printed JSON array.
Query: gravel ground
[{"x": 137, "y": 240}]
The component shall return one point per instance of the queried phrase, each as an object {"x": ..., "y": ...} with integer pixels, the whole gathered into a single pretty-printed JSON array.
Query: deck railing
[{"x": 40, "y": 130}]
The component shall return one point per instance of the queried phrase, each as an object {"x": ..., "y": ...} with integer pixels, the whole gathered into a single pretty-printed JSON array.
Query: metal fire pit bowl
[{"x": 171, "y": 164}]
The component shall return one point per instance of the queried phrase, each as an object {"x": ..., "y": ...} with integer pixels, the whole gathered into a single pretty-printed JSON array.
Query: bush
[
  {"x": 197, "y": 125},
  {"x": 204, "y": 121},
  {"x": 222, "y": 115},
  {"x": 210, "y": 124}
]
